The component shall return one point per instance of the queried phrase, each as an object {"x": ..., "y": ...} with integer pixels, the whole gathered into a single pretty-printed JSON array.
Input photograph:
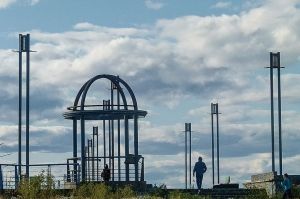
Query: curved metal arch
[
  {"x": 92, "y": 80},
  {"x": 130, "y": 92},
  {"x": 79, "y": 94}
]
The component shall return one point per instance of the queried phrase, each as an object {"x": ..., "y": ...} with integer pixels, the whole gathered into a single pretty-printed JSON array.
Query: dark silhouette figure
[
  {"x": 105, "y": 173},
  {"x": 287, "y": 186},
  {"x": 199, "y": 169}
]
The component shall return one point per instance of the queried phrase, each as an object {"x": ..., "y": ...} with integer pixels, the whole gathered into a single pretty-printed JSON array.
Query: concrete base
[
  {"x": 226, "y": 186},
  {"x": 270, "y": 181},
  {"x": 70, "y": 185},
  {"x": 224, "y": 192}
]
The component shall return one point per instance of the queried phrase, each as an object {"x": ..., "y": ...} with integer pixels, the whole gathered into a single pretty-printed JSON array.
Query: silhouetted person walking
[
  {"x": 287, "y": 186},
  {"x": 199, "y": 169},
  {"x": 105, "y": 173}
]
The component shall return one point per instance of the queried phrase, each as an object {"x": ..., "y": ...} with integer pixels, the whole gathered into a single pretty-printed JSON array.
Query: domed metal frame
[{"x": 121, "y": 112}]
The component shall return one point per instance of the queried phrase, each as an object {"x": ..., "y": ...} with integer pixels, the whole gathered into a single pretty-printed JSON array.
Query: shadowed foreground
[{"x": 36, "y": 189}]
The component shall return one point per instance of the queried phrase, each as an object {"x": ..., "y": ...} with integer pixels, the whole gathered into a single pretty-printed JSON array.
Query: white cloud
[
  {"x": 33, "y": 2},
  {"x": 222, "y": 4},
  {"x": 154, "y": 4},
  {"x": 6, "y": 3},
  {"x": 181, "y": 64}
]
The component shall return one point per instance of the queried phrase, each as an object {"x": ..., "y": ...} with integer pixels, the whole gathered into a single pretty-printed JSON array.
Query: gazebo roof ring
[
  {"x": 92, "y": 112},
  {"x": 104, "y": 114}
]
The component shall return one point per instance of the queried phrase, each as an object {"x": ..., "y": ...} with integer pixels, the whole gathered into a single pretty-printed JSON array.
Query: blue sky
[
  {"x": 178, "y": 56},
  {"x": 52, "y": 16}
]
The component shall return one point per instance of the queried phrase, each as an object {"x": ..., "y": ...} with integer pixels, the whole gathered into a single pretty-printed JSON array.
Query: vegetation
[
  {"x": 42, "y": 186},
  {"x": 102, "y": 191},
  {"x": 37, "y": 187}
]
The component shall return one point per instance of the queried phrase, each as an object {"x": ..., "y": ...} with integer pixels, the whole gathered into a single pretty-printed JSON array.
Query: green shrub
[
  {"x": 296, "y": 191},
  {"x": 255, "y": 194},
  {"x": 160, "y": 191},
  {"x": 36, "y": 187},
  {"x": 83, "y": 191},
  {"x": 125, "y": 192},
  {"x": 182, "y": 195},
  {"x": 101, "y": 191}
]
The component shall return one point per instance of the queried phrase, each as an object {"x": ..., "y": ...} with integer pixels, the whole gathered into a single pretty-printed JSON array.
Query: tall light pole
[
  {"x": 188, "y": 130},
  {"x": 275, "y": 64},
  {"x": 215, "y": 111},
  {"x": 24, "y": 46}
]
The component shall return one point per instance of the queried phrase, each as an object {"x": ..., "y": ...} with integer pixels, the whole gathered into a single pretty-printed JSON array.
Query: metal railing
[
  {"x": 64, "y": 174},
  {"x": 10, "y": 179}
]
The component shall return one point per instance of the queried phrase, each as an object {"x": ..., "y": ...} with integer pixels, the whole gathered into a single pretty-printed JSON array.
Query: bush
[
  {"x": 182, "y": 195},
  {"x": 36, "y": 187},
  {"x": 102, "y": 191},
  {"x": 83, "y": 191},
  {"x": 160, "y": 191},
  {"x": 296, "y": 191},
  {"x": 125, "y": 192}
]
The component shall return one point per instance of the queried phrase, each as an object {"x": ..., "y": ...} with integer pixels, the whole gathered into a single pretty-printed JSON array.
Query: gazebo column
[
  {"x": 83, "y": 162},
  {"x": 136, "y": 148},
  {"x": 126, "y": 149},
  {"x": 75, "y": 148}
]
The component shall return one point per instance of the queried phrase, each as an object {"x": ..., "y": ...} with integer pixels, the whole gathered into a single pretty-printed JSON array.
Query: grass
[
  {"x": 42, "y": 187},
  {"x": 102, "y": 191}
]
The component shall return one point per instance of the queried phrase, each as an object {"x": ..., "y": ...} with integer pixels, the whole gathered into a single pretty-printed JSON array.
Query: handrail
[{"x": 71, "y": 108}]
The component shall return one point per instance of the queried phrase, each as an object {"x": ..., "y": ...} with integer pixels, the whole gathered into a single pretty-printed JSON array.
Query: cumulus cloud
[
  {"x": 153, "y": 4},
  {"x": 6, "y": 3},
  {"x": 222, "y": 4},
  {"x": 176, "y": 67},
  {"x": 33, "y": 2}
]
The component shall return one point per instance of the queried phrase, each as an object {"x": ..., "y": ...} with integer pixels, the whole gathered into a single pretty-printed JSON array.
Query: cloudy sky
[{"x": 178, "y": 56}]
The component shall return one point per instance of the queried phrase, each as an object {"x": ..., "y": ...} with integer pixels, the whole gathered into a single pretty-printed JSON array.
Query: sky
[{"x": 178, "y": 57}]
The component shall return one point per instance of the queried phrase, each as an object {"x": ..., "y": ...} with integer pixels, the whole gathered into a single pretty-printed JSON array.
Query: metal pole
[
  {"x": 97, "y": 153},
  {"x": 109, "y": 138},
  {"x": 1, "y": 178},
  {"x": 91, "y": 160},
  {"x": 86, "y": 163},
  {"x": 27, "y": 101},
  {"x": 112, "y": 135},
  {"x": 88, "y": 160},
  {"x": 218, "y": 151},
  {"x": 272, "y": 113},
  {"x": 79, "y": 171},
  {"x": 16, "y": 177},
  {"x": 126, "y": 148},
  {"x": 136, "y": 147},
  {"x": 93, "y": 154},
  {"x": 279, "y": 116},
  {"x": 75, "y": 148},
  {"x": 142, "y": 171},
  {"x": 190, "y": 131},
  {"x": 20, "y": 107},
  {"x": 104, "y": 138},
  {"x": 68, "y": 171},
  {"x": 83, "y": 162},
  {"x": 119, "y": 139},
  {"x": 104, "y": 142},
  {"x": 212, "y": 145},
  {"x": 185, "y": 134}
]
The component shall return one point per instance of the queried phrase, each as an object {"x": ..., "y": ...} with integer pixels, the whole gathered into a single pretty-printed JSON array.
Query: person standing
[
  {"x": 106, "y": 173},
  {"x": 199, "y": 169},
  {"x": 287, "y": 186}
]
